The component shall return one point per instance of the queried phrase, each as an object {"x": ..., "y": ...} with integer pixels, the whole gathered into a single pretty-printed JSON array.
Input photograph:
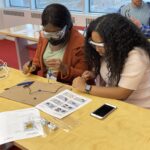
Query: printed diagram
[{"x": 63, "y": 104}]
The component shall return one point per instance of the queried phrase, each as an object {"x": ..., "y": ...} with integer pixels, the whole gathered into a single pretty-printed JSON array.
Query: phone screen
[{"x": 103, "y": 110}]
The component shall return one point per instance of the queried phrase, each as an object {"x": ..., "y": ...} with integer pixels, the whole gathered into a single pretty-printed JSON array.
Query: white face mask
[{"x": 55, "y": 35}]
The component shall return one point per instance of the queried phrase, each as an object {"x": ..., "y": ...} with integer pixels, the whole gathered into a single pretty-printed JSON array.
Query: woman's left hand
[
  {"x": 79, "y": 83},
  {"x": 53, "y": 63},
  {"x": 57, "y": 64}
]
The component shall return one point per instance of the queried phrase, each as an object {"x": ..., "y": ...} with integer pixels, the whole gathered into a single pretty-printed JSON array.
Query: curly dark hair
[
  {"x": 57, "y": 15},
  {"x": 120, "y": 36}
]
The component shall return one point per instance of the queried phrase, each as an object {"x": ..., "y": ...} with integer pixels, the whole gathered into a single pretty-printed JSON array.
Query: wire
[
  {"x": 39, "y": 90},
  {"x": 4, "y": 71}
]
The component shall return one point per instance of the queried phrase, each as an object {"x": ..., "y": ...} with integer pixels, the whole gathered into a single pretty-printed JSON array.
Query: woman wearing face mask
[{"x": 60, "y": 50}]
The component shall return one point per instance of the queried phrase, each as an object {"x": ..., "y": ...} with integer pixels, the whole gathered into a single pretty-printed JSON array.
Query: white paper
[
  {"x": 63, "y": 104},
  {"x": 20, "y": 124}
]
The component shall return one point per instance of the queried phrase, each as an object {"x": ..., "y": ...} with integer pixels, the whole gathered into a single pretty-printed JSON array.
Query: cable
[{"x": 4, "y": 71}]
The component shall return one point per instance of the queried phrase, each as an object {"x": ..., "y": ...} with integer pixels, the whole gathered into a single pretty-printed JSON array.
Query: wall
[{"x": 14, "y": 17}]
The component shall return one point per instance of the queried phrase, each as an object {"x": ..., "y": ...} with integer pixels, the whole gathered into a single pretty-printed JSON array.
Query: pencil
[{"x": 30, "y": 64}]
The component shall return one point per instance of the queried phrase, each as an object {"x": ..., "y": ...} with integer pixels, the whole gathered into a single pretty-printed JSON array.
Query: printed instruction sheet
[
  {"x": 20, "y": 124},
  {"x": 63, "y": 104}
]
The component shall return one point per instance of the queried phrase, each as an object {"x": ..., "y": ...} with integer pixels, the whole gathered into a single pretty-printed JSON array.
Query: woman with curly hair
[{"x": 119, "y": 54}]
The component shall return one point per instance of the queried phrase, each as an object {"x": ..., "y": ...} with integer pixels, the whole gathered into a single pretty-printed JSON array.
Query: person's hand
[
  {"x": 87, "y": 75},
  {"x": 56, "y": 64},
  {"x": 27, "y": 68},
  {"x": 79, "y": 83},
  {"x": 136, "y": 22}
]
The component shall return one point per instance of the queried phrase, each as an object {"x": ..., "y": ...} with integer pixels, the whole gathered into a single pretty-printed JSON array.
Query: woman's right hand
[
  {"x": 88, "y": 75},
  {"x": 27, "y": 69}
]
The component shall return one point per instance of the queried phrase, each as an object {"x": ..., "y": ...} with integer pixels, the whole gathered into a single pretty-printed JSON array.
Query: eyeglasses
[
  {"x": 55, "y": 35},
  {"x": 94, "y": 44}
]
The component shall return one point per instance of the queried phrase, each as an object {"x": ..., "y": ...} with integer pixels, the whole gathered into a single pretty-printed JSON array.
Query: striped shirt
[
  {"x": 146, "y": 30},
  {"x": 141, "y": 13}
]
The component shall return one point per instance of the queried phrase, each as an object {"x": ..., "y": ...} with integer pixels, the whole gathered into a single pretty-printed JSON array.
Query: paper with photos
[
  {"x": 19, "y": 124},
  {"x": 63, "y": 104}
]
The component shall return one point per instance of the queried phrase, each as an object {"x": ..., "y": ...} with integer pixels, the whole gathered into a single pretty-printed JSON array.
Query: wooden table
[
  {"x": 127, "y": 128},
  {"x": 22, "y": 34}
]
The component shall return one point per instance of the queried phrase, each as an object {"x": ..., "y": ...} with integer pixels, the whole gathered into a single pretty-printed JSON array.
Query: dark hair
[
  {"x": 57, "y": 15},
  {"x": 120, "y": 36}
]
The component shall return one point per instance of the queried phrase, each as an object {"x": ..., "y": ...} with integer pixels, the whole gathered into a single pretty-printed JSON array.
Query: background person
[
  {"x": 137, "y": 9},
  {"x": 139, "y": 12}
]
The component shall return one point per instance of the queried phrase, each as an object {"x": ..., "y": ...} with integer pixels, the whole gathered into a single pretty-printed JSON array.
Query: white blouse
[{"x": 135, "y": 76}]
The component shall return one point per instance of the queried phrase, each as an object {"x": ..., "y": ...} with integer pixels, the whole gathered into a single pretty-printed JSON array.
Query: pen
[
  {"x": 25, "y": 83},
  {"x": 30, "y": 64}
]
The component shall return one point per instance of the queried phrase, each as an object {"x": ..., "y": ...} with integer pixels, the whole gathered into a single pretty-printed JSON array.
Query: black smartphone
[{"x": 103, "y": 111}]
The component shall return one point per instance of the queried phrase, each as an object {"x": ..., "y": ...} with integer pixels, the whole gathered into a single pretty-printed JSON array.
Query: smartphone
[{"x": 103, "y": 111}]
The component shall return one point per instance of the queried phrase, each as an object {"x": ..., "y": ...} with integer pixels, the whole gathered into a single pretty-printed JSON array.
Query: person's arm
[
  {"x": 144, "y": 29},
  {"x": 36, "y": 58},
  {"x": 130, "y": 78},
  {"x": 34, "y": 65},
  {"x": 88, "y": 75},
  {"x": 28, "y": 67},
  {"x": 107, "y": 92},
  {"x": 111, "y": 92},
  {"x": 77, "y": 67}
]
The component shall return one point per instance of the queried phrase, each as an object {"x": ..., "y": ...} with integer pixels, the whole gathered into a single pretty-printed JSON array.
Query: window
[
  {"x": 83, "y": 6},
  {"x": 106, "y": 6},
  {"x": 19, "y": 3},
  {"x": 73, "y": 5}
]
